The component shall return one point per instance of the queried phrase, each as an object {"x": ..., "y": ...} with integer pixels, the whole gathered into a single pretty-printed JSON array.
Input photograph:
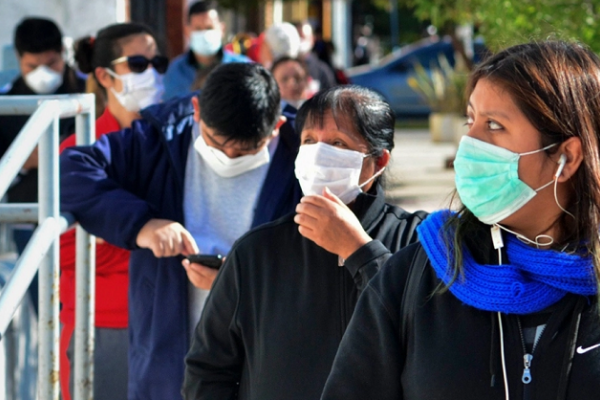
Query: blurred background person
[
  {"x": 324, "y": 49},
  {"x": 322, "y": 75},
  {"x": 292, "y": 78},
  {"x": 43, "y": 70},
  {"x": 126, "y": 68},
  {"x": 279, "y": 40},
  {"x": 204, "y": 31}
]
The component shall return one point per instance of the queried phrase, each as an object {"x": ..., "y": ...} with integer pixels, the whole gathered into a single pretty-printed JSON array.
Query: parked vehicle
[{"x": 390, "y": 76}]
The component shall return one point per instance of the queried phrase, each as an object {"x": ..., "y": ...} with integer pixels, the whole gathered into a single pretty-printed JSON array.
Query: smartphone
[{"x": 210, "y": 260}]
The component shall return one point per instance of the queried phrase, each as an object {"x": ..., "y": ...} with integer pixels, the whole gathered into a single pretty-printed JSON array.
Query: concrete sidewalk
[{"x": 417, "y": 178}]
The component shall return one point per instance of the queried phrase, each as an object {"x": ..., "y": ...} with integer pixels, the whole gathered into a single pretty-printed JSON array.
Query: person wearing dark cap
[
  {"x": 204, "y": 30},
  {"x": 38, "y": 42}
]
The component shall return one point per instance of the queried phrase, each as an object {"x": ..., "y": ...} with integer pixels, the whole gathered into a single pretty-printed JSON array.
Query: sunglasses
[{"x": 139, "y": 64}]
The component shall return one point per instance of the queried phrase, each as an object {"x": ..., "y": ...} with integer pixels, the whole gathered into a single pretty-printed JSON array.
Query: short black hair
[
  {"x": 241, "y": 102},
  {"x": 201, "y": 6},
  {"x": 37, "y": 35},
  {"x": 353, "y": 107}
]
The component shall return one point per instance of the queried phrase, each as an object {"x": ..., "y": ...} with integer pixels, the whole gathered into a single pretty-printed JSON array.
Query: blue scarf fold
[{"x": 534, "y": 280}]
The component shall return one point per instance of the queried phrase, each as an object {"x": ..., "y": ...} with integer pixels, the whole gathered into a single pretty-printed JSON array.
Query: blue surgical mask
[
  {"x": 207, "y": 42},
  {"x": 487, "y": 180}
]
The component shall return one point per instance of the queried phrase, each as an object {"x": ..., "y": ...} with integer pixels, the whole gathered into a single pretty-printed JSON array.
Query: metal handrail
[
  {"x": 42, "y": 250},
  {"x": 25, "y": 269}
]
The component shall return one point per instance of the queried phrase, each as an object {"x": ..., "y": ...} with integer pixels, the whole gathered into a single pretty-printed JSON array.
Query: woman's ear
[
  {"x": 570, "y": 158},
  {"x": 103, "y": 77},
  {"x": 383, "y": 160}
]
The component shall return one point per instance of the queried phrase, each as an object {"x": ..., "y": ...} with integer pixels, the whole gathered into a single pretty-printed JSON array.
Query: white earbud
[
  {"x": 562, "y": 161},
  {"x": 561, "y": 165}
]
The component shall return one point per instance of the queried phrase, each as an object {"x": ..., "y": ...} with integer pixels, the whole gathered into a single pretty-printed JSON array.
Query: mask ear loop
[
  {"x": 375, "y": 175},
  {"x": 562, "y": 162}
]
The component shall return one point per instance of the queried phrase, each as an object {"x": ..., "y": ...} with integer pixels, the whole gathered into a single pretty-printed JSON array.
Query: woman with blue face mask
[
  {"x": 282, "y": 300},
  {"x": 499, "y": 298},
  {"x": 126, "y": 70}
]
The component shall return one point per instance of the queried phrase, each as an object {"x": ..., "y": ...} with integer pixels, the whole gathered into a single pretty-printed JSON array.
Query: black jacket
[
  {"x": 406, "y": 344},
  {"x": 280, "y": 305},
  {"x": 25, "y": 188}
]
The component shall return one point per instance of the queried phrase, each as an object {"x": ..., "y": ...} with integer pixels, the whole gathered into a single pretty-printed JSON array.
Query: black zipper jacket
[
  {"x": 404, "y": 343},
  {"x": 280, "y": 305}
]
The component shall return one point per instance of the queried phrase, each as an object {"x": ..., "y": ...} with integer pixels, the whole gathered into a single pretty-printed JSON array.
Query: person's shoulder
[
  {"x": 230, "y": 57},
  {"x": 180, "y": 59},
  {"x": 271, "y": 232},
  {"x": 16, "y": 87},
  {"x": 170, "y": 112},
  {"x": 401, "y": 213},
  {"x": 179, "y": 67},
  {"x": 6, "y": 88},
  {"x": 390, "y": 281}
]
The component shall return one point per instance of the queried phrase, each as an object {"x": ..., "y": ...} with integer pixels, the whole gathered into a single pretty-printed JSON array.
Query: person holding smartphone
[
  {"x": 283, "y": 298},
  {"x": 190, "y": 177}
]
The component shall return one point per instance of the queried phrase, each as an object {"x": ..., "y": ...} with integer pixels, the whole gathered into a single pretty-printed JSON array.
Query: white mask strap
[
  {"x": 113, "y": 73},
  {"x": 538, "y": 150},
  {"x": 545, "y": 185},
  {"x": 378, "y": 173}
]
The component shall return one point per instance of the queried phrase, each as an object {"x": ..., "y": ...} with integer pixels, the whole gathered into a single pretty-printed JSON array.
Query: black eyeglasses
[{"x": 139, "y": 64}]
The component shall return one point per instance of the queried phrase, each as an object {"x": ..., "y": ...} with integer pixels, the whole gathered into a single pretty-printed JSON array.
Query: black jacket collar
[
  {"x": 191, "y": 59},
  {"x": 368, "y": 207}
]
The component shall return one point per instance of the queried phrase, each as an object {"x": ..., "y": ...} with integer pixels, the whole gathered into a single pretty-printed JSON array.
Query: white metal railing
[{"x": 42, "y": 251}]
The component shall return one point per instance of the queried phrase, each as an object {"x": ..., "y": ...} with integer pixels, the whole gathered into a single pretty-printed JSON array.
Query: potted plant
[{"x": 443, "y": 88}]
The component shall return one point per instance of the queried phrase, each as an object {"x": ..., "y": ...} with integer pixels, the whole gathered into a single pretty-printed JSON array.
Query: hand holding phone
[{"x": 210, "y": 260}]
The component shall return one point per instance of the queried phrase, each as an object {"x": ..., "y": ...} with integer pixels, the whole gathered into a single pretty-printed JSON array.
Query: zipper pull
[{"x": 526, "y": 378}]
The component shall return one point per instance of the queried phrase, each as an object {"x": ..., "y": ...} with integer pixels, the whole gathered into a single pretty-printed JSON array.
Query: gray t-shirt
[{"x": 217, "y": 211}]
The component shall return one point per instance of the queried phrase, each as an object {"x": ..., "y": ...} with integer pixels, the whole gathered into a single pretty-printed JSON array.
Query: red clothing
[
  {"x": 112, "y": 277},
  {"x": 112, "y": 262}
]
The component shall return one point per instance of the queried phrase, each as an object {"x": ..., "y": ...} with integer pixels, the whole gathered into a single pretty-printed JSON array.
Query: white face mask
[
  {"x": 139, "y": 90},
  {"x": 207, "y": 42},
  {"x": 43, "y": 80},
  {"x": 229, "y": 167},
  {"x": 320, "y": 165}
]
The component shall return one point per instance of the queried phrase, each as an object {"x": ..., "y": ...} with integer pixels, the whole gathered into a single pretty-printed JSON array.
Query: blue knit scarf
[{"x": 534, "y": 280}]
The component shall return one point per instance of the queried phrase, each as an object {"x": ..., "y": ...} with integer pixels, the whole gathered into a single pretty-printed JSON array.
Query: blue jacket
[
  {"x": 122, "y": 181},
  {"x": 182, "y": 70}
]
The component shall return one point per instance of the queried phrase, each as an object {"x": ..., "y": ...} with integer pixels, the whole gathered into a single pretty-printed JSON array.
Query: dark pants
[{"x": 110, "y": 364}]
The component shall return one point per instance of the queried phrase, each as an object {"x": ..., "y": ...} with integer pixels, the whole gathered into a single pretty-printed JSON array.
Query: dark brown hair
[{"x": 556, "y": 85}]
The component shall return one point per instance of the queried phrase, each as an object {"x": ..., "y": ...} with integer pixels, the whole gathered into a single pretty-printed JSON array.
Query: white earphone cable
[{"x": 504, "y": 375}]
